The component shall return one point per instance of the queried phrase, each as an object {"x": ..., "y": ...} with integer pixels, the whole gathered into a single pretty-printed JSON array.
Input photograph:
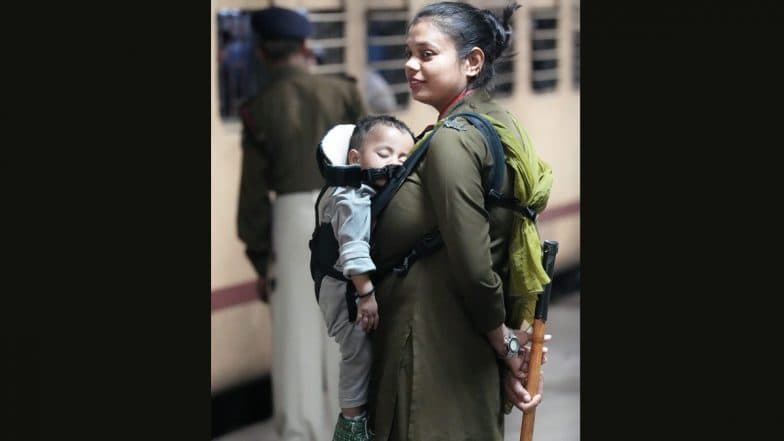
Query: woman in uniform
[{"x": 444, "y": 360}]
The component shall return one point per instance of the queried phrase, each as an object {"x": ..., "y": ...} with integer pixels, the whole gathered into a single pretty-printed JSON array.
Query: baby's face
[{"x": 383, "y": 145}]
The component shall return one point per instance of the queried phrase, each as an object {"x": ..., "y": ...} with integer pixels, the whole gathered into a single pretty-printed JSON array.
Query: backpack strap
[
  {"x": 493, "y": 195},
  {"x": 497, "y": 173}
]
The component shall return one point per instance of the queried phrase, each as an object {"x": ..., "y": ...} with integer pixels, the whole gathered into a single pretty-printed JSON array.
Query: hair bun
[
  {"x": 500, "y": 33},
  {"x": 502, "y": 30},
  {"x": 507, "y": 37}
]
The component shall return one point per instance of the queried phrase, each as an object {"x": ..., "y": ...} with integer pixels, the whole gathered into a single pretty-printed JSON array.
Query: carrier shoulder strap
[
  {"x": 398, "y": 176},
  {"x": 318, "y": 201},
  {"x": 321, "y": 241},
  {"x": 323, "y": 254},
  {"x": 432, "y": 241}
]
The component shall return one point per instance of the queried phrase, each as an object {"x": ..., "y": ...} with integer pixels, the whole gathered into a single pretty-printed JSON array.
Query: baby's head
[{"x": 378, "y": 141}]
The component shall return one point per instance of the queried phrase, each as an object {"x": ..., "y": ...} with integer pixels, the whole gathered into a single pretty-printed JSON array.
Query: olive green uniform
[{"x": 435, "y": 375}]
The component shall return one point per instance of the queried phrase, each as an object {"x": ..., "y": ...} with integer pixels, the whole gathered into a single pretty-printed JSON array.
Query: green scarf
[{"x": 532, "y": 181}]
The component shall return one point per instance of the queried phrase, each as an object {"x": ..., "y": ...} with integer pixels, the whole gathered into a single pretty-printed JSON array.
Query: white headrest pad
[{"x": 335, "y": 143}]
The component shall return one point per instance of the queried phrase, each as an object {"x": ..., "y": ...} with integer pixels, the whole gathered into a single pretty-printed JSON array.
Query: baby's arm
[
  {"x": 351, "y": 224},
  {"x": 367, "y": 308}
]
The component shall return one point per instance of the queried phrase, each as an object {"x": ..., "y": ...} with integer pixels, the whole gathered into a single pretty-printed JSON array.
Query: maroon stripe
[
  {"x": 562, "y": 210},
  {"x": 246, "y": 292},
  {"x": 233, "y": 295}
]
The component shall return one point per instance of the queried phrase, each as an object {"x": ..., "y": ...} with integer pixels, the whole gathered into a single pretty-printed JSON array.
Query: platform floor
[{"x": 557, "y": 418}]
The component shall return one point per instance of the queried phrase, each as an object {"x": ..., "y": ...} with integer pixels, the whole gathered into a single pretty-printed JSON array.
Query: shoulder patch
[{"x": 454, "y": 124}]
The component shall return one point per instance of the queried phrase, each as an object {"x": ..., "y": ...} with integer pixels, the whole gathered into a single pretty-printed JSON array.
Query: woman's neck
[{"x": 461, "y": 95}]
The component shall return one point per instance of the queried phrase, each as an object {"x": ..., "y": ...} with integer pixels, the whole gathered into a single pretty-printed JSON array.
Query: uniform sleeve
[
  {"x": 351, "y": 225},
  {"x": 253, "y": 212},
  {"x": 452, "y": 179}
]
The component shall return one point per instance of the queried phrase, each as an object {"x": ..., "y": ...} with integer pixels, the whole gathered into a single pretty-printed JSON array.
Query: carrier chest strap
[
  {"x": 342, "y": 176},
  {"x": 427, "y": 245},
  {"x": 354, "y": 176}
]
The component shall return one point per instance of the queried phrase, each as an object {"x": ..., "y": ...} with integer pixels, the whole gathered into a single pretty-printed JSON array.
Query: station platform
[{"x": 557, "y": 418}]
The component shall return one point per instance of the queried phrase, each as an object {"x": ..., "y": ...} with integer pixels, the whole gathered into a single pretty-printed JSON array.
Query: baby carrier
[{"x": 331, "y": 157}]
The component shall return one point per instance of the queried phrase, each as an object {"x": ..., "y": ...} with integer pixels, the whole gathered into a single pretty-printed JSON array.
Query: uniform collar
[
  {"x": 470, "y": 101},
  {"x": 286, "y": 71},
  {"x": 458, "y": 97}
]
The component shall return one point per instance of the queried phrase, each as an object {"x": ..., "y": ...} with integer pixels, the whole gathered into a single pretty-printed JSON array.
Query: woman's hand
[
  {"x": 515, "y": 377},
  {"x": 526, "y": 338},
  {"x": 517, "y": 394},
  {"x": 516, "y": 371},
  {"x": 496, "y": 339},
  {"x": 367, "y": 308}
]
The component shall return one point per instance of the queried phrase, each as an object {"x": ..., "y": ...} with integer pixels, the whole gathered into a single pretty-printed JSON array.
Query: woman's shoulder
[
  {"x": 457, "y": 146},
  {"x": 457, "y": 132},
  {"x": 495, "y": 111}
]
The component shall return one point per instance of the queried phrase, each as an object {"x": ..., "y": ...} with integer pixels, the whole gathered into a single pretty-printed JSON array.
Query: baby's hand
[{"x": 367, "y": 313}]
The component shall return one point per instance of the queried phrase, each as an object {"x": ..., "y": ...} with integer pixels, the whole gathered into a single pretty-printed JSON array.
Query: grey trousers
[{"x": 353, "y": 341}]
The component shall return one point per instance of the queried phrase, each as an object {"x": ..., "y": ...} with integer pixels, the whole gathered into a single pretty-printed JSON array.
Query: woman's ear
[
  {"x": 474, "y": 62},
  {"x": 353, "y": 156}
]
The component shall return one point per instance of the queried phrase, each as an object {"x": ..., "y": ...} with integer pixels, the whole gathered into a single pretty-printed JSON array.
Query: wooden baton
[{"x": 549, "y": 250}]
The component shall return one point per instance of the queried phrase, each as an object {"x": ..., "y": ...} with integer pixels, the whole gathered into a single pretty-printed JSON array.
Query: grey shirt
[{"x": 347, "y": 209}]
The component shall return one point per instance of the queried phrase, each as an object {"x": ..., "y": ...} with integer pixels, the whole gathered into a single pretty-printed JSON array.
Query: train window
[
  {"x": 544, "y": 49},
  {"x": 241, "y": 73},
  {"x": 329, "y": 41},
  {"x": 386, "y": 46}
]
